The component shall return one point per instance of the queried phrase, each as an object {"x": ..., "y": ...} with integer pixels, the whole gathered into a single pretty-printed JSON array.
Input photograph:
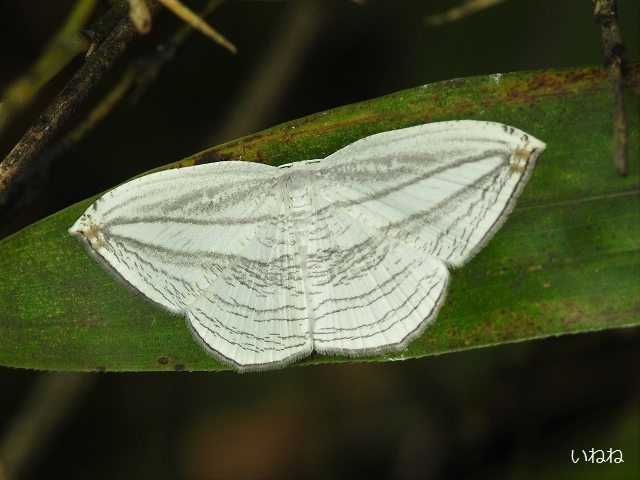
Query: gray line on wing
[
  {"x": 419, "y": 178},
  {"x": 407, "y": 300}
]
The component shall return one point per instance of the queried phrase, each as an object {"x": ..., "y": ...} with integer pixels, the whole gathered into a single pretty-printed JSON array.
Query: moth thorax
[{"x": 297, "y": 186}]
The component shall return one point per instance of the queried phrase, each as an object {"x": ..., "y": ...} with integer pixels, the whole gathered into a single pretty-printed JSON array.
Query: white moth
[{"x": 345, "y": 255}]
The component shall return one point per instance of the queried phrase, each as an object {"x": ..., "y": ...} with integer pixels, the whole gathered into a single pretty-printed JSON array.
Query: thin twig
[
  {"x": 605, "y": 13},
  {"x": 167, "y": 52},
  {"x": 50, "y": 401},
  {"x": 132, "y": 84},
  {"x": 466, "y": 8},
  {"x": 61, "y": 49},
  {"x": 179, "y": 9},
  {"x": 278, "y": 66},
  {"x": 49, "y": 125},
  {"x": 95, "y": 116}
]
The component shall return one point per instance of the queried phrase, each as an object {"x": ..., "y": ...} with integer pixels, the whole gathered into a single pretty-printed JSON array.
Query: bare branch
[
  {"x": 131, "y": 85},
  {"x": 605, "y": 13},
  {"x": 49, "y": 125},
  {"x": 96, "y": 115}
]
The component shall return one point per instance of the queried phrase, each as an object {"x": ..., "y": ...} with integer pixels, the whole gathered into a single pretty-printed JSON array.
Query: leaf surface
[{"x": 566, "y": 261}]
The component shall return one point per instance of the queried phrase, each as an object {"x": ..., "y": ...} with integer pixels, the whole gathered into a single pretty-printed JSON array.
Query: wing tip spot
[{"x": 89, "y": 231}]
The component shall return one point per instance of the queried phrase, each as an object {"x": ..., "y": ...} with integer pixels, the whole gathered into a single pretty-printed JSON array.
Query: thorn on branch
[{"x": 196, "y": 21}]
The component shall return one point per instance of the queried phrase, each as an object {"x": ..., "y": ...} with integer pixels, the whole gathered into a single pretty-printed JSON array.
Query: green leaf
[{"x": 566, "y": 261}]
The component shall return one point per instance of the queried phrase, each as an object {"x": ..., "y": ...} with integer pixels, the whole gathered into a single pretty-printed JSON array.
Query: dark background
[{"x": 511, "y": 411}]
